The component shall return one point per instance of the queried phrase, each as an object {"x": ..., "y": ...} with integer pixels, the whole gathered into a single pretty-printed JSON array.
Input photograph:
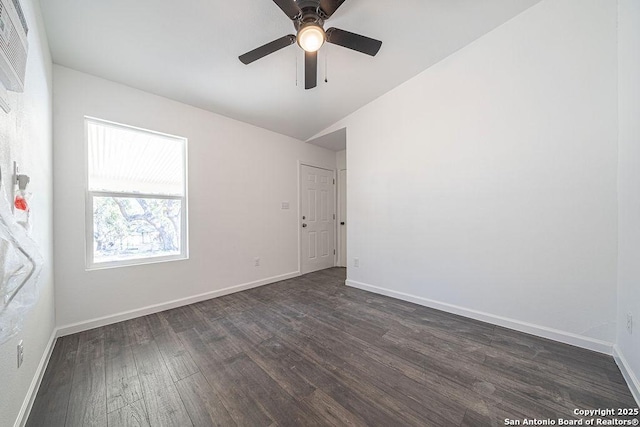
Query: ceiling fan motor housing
[
  {"x": 310, "y": 14},
  {"x": 308, "y": 4}
]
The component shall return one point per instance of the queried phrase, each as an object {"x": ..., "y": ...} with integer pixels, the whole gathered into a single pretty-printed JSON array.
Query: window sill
[{"x": 136, "y": 262}]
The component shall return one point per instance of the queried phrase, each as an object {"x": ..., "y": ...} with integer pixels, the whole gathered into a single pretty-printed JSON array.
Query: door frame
[
  {"x": 299, "y": 213},
  {"x": 339, "y": 218}
]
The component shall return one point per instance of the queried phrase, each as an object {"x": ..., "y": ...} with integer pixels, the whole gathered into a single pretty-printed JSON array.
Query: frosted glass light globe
[{"x": 311, "y": 38}]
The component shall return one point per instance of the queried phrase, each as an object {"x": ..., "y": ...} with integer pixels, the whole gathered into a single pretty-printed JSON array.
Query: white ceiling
[
  {"x": 188, "y": 51},
  {"x": 336, "y": 140}
]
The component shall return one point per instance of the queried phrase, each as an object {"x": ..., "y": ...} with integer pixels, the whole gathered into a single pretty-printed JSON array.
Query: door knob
[
  {"x": 342, "y": 223},
  {"x": 304, "y": 225}
]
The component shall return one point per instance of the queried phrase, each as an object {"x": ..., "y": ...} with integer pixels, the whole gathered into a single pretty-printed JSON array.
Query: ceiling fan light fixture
[{"x": 311, "y": 38}]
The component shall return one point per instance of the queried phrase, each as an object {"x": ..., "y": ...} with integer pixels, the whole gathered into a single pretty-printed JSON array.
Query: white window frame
[{"x": 90, "y": 195}]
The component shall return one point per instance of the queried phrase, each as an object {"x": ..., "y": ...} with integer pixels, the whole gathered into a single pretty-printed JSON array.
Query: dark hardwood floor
[{"x": 311, "y": 351}]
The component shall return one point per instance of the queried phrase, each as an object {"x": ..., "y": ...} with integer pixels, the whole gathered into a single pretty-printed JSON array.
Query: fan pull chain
[
  {"x": 326, "y": 59},
  {"x": 296, "y": 69}
]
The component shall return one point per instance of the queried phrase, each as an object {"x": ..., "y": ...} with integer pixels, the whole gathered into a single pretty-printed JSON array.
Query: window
[{"x": 136, "y": 195}]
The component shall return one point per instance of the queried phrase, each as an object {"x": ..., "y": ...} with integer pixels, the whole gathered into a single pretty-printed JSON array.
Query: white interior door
[
  {"x": 342, "y": 217},
  {"x": 317, "y": 219}
]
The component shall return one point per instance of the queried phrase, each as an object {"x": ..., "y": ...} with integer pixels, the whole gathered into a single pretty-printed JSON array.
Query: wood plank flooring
[{"x": 311, "y": 351}]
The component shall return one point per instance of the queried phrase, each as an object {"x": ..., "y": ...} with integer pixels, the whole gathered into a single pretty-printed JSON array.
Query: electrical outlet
[
  {"x": 256, "y": 261},
  {"x": 356, "y": 262},
  {"x": 20, "y": 353},
  {"x": 630, "y": 323}
]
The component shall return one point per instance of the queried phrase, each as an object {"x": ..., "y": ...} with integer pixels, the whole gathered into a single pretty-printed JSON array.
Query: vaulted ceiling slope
[{"x": 188, "y": 51}]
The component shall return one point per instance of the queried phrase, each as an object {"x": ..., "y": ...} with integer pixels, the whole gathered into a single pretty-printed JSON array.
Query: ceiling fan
[{"x": 308, "y": 18}]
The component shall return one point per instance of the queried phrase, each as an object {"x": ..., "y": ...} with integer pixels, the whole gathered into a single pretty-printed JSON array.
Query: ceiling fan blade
[
  {"x": 310, "y": 70},
  {"x": 266, "y": 49},
  {"x": 289, "y": 7},
  {"x": 353, "y": 41},
  {"x": 330, "y": 6}
]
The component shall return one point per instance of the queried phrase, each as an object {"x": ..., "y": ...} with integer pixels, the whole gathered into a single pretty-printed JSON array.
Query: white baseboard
[
  {"x": 627, "y": 373},
  {"x": 131, "y": 314},
  {"x": 25, "y": 410},
  {"x": 529, "y": 328}
]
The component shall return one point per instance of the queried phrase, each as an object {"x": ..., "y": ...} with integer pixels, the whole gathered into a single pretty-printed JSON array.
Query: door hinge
[
  {"x": 334, "y": 251},
  {"x": 334, "y": 216},
  {"x": 334, "y": 181}
]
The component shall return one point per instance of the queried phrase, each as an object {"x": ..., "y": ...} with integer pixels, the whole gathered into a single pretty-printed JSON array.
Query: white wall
[
  {"x": 629, "y": 186},
  {"x": 238, "y": 177},
  {"x": 341, "y": 159},
  {"x": 25, "y": 136},
  {"x": 487, "y": 184}
]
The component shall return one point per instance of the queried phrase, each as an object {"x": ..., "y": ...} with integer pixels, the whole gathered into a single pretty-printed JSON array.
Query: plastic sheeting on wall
[{"x": 20, "y": 266}]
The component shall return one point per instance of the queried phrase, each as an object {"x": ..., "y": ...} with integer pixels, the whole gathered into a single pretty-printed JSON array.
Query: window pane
[
  {"x": 128, "y": 160},
  {"x": 126, "y": 228}
]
